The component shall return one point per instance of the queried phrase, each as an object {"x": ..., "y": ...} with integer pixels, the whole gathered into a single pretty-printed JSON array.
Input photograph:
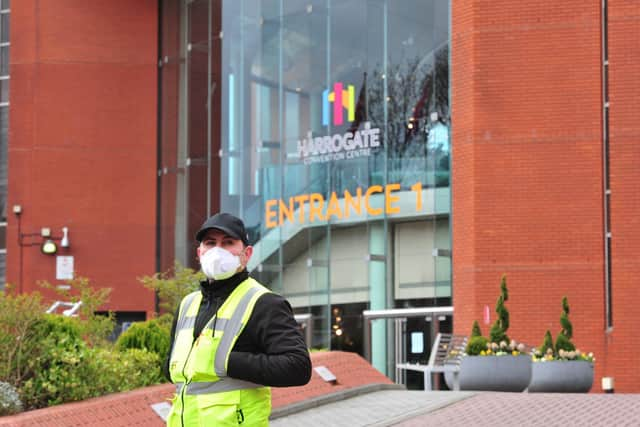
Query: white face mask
[{"x": 219, "y": 264}]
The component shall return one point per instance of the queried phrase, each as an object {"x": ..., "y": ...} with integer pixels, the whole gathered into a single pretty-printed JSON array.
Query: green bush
[
  {"x": 89, "y": 372},
  {"x": 563, "y": 341},
  {"x": 152, "y": 335},
  {"x": 50, "y": 359},
  {"x": 19, "y": 317},
  {"x": 475, "y": 330},
  {"x": 173, "y": 285},
  {"x": 126, "y": 370},
  {"x": 9, "y": 400},
  {"x": 547, "y": 344},
  {"x": 498, "y": 332},
  {"x": 94, "y": 328},
  {"x": 476, "y": 345}
]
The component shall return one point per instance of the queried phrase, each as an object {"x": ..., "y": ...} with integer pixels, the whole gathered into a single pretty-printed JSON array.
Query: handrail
[{"x": 71, "y": 311}]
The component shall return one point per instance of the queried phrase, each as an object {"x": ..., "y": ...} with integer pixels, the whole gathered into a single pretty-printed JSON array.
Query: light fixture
[
  {"x": 49, "y": 247},
  {"x": 64, "y": 242}
]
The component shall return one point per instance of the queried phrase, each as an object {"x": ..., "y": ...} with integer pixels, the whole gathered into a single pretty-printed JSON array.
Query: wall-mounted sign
[
  {"x": 308, "y": 208},
  {"x": 64, "y": 268},
  {"x": 340, "y": 146}
]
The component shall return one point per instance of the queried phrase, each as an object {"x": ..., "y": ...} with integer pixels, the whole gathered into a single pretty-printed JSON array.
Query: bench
[{"x": 446, "y": 355}]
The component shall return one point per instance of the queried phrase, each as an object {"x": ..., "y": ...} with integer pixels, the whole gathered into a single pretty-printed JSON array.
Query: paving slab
[
  {"x": 534, "y": 409},
  {"x": 377, "y": 409}
]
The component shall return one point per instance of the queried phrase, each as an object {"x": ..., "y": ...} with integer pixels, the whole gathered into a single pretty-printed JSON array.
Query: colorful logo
[{"x": 341, "y": 99}]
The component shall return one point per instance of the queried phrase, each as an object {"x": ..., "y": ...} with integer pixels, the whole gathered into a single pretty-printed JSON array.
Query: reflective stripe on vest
[
  {"x": 231, "y": 330},
  {"x": 225, "y": 384}
]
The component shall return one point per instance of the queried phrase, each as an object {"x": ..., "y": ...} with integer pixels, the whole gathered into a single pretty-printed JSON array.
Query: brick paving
[
  {"x": 523, "y": 409},
  {"x": 373, "y": 409}
]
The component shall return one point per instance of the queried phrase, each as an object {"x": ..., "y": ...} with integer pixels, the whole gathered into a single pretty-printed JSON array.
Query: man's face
[{"x": 214, "y": 237}]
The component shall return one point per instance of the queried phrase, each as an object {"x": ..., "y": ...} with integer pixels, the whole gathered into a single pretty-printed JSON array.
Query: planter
[
  {"x": 561, "y": 376},
  {"x": 493, "y": 373}
]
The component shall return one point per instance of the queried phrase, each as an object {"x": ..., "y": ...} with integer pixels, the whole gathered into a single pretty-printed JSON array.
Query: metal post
[
  {"x": 305, "y": 321},
  {"x": 367, "y": 339}
]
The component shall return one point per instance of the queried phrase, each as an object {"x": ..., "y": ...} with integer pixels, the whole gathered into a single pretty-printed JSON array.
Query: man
[{"x": 232, "y": 339}]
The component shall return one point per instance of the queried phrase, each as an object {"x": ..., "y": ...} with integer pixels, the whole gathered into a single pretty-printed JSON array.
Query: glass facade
[{"x": 325, "y": 126}]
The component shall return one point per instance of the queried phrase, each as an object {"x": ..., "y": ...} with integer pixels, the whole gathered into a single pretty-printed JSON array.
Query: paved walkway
[{"x": 466, "y": 409}]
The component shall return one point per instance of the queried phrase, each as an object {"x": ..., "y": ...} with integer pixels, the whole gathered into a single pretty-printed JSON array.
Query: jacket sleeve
[{"x": 279, "y": 355}]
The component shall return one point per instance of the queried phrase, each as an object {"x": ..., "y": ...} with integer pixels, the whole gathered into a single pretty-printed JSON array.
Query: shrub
[
  {"x": 173, "y": 285},
  {"x": 9, "y": 400},
  {"x": 19, "y": 317},
  {"x": 95, "y": 328},
  {"x": 50, "y": 359},
  {"x": 58, "y": 368},
  {"x": 547, "y": 344},
  {"x": 126, "y": 370},
  {"x": 498, "y": 331},
  {"x": 475, "y": 330},
  {"x": 476, "y": 345},
  {"x": 563, "y": 341},
  {"x": 89, "y": 372},
  {"x": 152, "y": 335}
]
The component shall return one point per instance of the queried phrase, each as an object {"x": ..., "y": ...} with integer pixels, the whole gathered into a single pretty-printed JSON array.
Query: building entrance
[{"x": 412, "y": 333}]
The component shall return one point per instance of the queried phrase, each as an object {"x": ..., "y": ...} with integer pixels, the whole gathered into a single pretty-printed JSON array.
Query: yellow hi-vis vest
[{"x": 205, "y": 396}]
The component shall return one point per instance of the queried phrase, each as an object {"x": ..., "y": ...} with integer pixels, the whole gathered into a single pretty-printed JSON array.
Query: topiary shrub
[
  {"x": 498, "y": 332},
  {"x": 476, "y": 345},
  {"x": 9, "y": 400},
  {"x": 152, "y": 335},
  {"x": 563, "y": 340},
  {"x": 475, "y": 330},
  {"x": 547, "y": 344}
]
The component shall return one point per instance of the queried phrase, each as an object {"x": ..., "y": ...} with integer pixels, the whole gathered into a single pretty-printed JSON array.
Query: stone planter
[
  {"x": 561, "y": 376},
  {"x": 493, "y": 373}
]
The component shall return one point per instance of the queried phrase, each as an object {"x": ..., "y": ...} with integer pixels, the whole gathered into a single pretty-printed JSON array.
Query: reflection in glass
[{"x": 322, "y": 101}]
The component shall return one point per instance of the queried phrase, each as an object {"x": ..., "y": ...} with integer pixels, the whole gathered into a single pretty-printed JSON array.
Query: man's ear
[
  {"x": 248, "y": 251},
  {"x": 198, "y": 251}
]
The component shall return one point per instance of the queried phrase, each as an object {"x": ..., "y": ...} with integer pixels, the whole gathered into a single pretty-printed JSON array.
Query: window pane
[
  {"x": 4, "y": 90},
  {"x": 3, "y": 162},
  {"x": 4, "y": 61},
  {"x": 5, "y": 4},
  {"x": 2, "y": 270},
  {"x": 4, "y": 35}
]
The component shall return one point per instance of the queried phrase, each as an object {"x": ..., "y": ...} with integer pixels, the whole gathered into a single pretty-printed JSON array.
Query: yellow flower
[
  {"x": 482, "y": 353},
  {"x": 514, "y": 352}
]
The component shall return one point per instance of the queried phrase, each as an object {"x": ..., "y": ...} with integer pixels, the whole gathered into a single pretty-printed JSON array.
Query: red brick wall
[
  {"x": 82, "y": 149},
  {"x": 527, "y": 170},
  {"x": 624, "y": 94}
]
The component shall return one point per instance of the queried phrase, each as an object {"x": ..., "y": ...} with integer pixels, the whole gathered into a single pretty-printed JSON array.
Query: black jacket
[{"x": 270, "y": 350}]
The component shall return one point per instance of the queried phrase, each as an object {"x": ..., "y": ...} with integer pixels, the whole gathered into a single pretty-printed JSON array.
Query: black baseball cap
[{"x": 227, "y": 223}]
